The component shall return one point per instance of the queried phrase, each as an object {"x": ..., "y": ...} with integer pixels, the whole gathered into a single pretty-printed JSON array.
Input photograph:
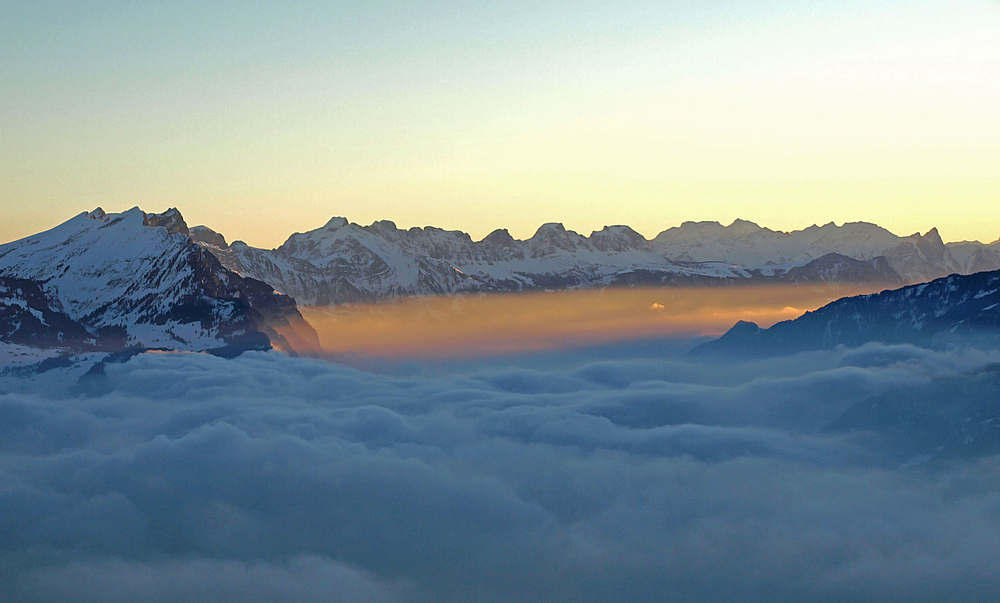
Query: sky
[{"x": 262, "y": 119}]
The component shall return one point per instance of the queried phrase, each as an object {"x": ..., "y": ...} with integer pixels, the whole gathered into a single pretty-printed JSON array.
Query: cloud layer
[{"x": 269, "y": 478}]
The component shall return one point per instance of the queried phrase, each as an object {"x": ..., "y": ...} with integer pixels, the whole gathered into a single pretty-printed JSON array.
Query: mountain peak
[
  {"x": 550, "y": 227},
  {"x": 383, "y": 227},
  {"x": 131, "y": 282},
  {"x": 500, "y": 237},
  {"x": 335, "y": 223},
  {"x": 618, "y": 239},
  {"x": 204, "y": 234},
  {"x": 98, "y": 214},
  {"x": 618, "y": 229},
  {"x": 553, "y": 236},
  {"x": 745, "y": 326},
  {"x": 690, "y": 223},
  {"x": 739, "y": 223},
  {"x": 934, "y": 236},
  {"x": 170, "y": 219}
]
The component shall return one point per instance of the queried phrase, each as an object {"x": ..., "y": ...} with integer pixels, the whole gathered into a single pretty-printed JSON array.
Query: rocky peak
[
  {"x": 131, "y": 282},
  {"x": 552, "y": 236},
  {"x": 380, "y": 226},
  {"x": 500, "y": 238},
  {"x": 934, "y": 237},
  {"x": 204, "y": 234},
  {"x": 704, "y": 226},
  {"x": 385, "y": 230},
  {"x": 550, "y": 229},
  {"x": 709, "y": 229},
  {"x": 930, "y": 245},
  {"x": 618, "y": 239},
  {"x": 98, "y": 214},
  {"x": 170, "y": 219},
  {"x": 335, "y": 224},
  {"x": 835, "y": 267},
  {"x": 742, "y": 227}
]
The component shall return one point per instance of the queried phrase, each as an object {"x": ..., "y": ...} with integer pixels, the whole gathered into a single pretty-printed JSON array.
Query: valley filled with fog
[
  {"x": 601, "y": 468},
  {"x": 453, "y": 327}
]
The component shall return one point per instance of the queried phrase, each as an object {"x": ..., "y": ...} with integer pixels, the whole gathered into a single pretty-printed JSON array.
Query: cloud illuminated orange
[{"x": 469, "y": 326}]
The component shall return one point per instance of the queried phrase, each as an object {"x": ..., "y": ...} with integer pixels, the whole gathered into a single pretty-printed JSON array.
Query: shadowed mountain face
[
  {"x": 137, "y": 280},
  {"x": 956, "y": 308},
  {"x": 30, "y": 317},
  {"x": 952, "y": 417},
  {"x": 344, "y": 262},
  {"x": 837, "y": 268}
]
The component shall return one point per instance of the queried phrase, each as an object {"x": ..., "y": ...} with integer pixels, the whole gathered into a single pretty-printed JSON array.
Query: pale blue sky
[{"x": 264, "y": 118}]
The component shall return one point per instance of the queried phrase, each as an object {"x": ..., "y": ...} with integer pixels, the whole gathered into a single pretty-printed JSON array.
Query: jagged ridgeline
[
  {"x": 959, "y": 309},
  {"x": 345, "y": 262},
  {"x": 109, "y": 282},
  {"x": 139, "y": 280}
]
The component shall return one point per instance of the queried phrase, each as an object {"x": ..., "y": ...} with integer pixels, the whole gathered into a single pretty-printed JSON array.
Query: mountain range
[
  {"x": 109, "y": 282},
  {"x": 344, "y": 262},
  {"x": 136, "y": 280}
]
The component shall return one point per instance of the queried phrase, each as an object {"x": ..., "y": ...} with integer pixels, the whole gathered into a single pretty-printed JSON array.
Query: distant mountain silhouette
[{"x": 955, "y": 308}]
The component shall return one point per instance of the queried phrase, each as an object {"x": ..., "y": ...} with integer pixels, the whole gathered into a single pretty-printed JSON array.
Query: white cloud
[{"x": 271, "y": 478}]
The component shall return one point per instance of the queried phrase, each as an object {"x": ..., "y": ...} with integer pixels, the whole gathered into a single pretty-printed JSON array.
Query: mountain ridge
[
  {"x": 139, "y": 275},
  {"x": 934, "y": 314},
  {"x": 344, "y": 262}
]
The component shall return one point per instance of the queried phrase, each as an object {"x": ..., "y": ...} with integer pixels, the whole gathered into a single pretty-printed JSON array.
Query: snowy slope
[
  {"x": 917, "y": 258},
  {"x": 345, "y": 262},
  {"x": 973, "y": 256},
  {"x": 29, "y": 317},
  {"x": 137, "y": 280},
  {"x": 747, "y": 244}
]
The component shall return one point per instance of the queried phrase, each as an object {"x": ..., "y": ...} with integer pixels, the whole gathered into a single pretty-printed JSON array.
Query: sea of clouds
[{"x": 563, "y": 478}]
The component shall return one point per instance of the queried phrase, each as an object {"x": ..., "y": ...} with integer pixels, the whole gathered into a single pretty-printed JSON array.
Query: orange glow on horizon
[{"x": 484, "y": 325}]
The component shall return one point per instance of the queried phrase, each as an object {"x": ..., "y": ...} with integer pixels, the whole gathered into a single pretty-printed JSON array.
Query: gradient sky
[{"x": 260, "y": 119}]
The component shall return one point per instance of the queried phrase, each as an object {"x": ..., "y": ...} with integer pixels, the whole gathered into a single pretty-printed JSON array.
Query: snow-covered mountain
[
  {"x": 137, "y": 280},
  {"x": 916, "y": 258},
  {"x": 345, "y": 262},
  {"x": 747, "y": 244},
  {"x": 957, "y": 308},
  {"x": 30, "y": 317}
]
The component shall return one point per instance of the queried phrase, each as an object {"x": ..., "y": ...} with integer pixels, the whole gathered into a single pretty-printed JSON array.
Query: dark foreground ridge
[{"x": 948, "y": 310}]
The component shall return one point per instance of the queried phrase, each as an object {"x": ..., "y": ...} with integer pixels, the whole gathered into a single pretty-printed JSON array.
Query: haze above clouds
[
  {"x": 486, "y": 325},
  {"x": 635, "y": 477}
]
